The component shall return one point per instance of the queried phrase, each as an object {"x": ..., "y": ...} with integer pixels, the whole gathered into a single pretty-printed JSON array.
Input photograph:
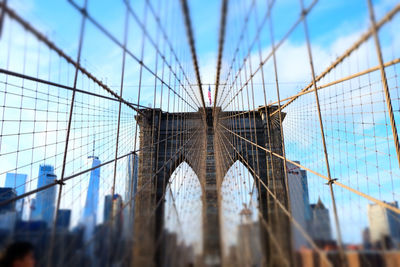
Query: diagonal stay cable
[
  {"x": 323, "y": 86},
  {"x": 62, "y": 54},
  {"x": 189, "y": 33},
  {"x": 58, "y": 85},
  {"x": 236, "y": 50},
  {"x": 377, "y": 201},
  {"x": 128, "y": 52},
  {"x": 346, "y": 54},
  {"x": 153, "y": 43},
  {"x": 250, "y": 47},
  {"x": 277, "y": 46},
  {"x": 168, "y": 41},
  {"x": 221, "y": 41}
]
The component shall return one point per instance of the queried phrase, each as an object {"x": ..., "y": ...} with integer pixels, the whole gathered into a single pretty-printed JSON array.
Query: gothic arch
[{"x": 181, "y": 158}]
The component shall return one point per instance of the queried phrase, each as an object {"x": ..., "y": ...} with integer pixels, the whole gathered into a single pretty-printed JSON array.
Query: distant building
[
  {"x": 384, "y": 225},
  {"x": 107, "y": 208},
  {"x": 366, "y": 238},
  {"x": 299, "y": 202},
  {"x": 63, "y": 219},
  {"x": 131, "y": 177},
  {"x": 44, "y": 207},
  {"x": 113, "y": 209},
  {"x": 130, "y": 191},
  {"x": 8, "y": 214},
  {"x": 320, "y": 227},
  {"x": 17, "y": 181},
  {"x": 249, "y": 245},
  {"x": 7, "y": 193},
  {"x": 89, "y": 217}
]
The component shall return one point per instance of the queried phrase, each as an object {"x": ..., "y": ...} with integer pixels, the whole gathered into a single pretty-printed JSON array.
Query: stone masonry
[{"x": 198, "y": 138}]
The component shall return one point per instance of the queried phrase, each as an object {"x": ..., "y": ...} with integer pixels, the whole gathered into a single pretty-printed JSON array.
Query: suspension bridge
[{"x": 124, "y": 143}]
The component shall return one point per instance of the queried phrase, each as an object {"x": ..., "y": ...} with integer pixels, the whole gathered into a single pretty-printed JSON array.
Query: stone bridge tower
[{"x": 210, "y": 145}]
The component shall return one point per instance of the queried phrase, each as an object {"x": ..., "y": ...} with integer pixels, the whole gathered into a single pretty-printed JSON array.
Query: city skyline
[{"x": 91, "y": 206}]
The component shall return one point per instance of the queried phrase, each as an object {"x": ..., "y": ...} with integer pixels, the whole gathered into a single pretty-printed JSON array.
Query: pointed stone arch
[
  {"x": 181, "y": 227},
  {"x": 243, "y": 227}
]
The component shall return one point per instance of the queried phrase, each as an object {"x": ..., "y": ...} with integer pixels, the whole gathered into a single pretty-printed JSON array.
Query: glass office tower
[
  {"x": 17, "y": 181},
  {"x": 89, "y": 217},
  {"x": 44, "y": 207}
]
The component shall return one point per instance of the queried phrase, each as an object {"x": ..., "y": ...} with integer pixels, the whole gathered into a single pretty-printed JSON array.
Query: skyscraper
[
  {"x": 131, "y": 177},
  {"x": 384, "y": 225},
  {"x": 17, "y": 181},
  {"x": 130, "y": 191},
  {"x": 89, "y": 217},
  {"x": 107, "y": 208},
  {"x": 113, "y": 209},
  {"x": 320, "y": 229},
  {"x": 299, "y": 201},
  {"x": 45, "y": 200}
]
